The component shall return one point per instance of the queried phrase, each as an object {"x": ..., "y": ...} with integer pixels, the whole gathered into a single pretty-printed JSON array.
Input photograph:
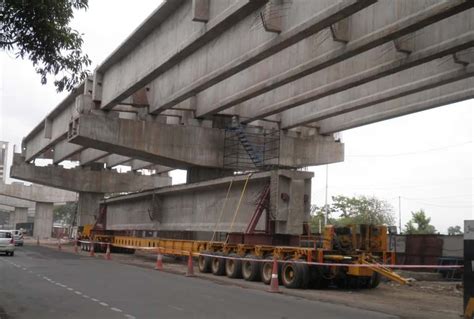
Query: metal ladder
[{"x": 255, "y": 157}]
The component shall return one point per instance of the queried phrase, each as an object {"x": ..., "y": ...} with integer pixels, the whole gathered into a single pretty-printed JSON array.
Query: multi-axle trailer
[{"x": 355, "y": 256}]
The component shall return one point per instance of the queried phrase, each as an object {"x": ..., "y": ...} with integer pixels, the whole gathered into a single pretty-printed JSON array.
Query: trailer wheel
[
  {"x": 205, "y": 263},
  {"x": 267, "y": 270},
  {"x": 318, "y": 278},
  {"x": 233, "y": 267},
  {"x": 251, "y": 269},
  {"x": 218, "y": 266},
  {"x": 374, "y": 280},
  {"x": 295, "y": 275}
]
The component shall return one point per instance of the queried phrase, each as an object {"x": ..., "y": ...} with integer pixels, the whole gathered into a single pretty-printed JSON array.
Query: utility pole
[
  {"x": 400, "y": 213},
  {"x": 326, "y": 216}
]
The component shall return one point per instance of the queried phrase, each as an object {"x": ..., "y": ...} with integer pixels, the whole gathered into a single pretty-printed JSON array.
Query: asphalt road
[{"x": 40, "y": 282}]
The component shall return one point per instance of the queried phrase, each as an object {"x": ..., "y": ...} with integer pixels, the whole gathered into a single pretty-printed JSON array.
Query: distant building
[{"x": 3, "y": 161}]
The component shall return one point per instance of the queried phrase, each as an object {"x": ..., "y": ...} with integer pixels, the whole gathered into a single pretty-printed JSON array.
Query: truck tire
[
  {"x": 218, "y": 266},
  {"x": 251, "y": 268},
  {"x": 205, "y": 263},
  {"x": 267, "y": 270},
  {"x": 374, "y": 280},
  {"x": 318, "y": 278},
  {"x": 233, "y": 267},
  {"x": 295, "y": 275}
]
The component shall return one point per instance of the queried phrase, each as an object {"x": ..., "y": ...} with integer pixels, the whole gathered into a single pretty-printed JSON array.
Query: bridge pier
[{"x": 43, "y": 220}]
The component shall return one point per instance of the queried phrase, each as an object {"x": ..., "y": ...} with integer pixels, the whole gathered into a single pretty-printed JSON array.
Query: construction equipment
[{"x": 349, "y": 257}]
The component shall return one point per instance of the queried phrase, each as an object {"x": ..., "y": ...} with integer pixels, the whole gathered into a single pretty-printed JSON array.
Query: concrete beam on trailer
[
  {"x": 295, "y": 32},
  {"x": 171, "y": 23},
  {"x": 235, "y": 92},
  {"x": 197, "y": 206},
  {"x": 448, "y": 47},
  {"x": 84, "y": 179},
  {"x": 443, "y": 95},
  {"x": 407, "y": 83}
]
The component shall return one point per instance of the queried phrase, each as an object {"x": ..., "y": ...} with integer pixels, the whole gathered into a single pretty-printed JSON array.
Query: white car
[
  {"x": 7, "y": 242},
  {"x": 18, "y": 236}
]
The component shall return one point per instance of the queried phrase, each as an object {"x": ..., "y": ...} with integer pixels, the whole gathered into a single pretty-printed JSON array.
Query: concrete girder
[
  {"x": 446, "y": 48},
  {"x": 7, "y": 208},
  {"x": 439, "y": 96},
  {"x": 113, "y": 160},
  {"x": 90, "y": 155},
  {"x": 171, "y": 145},
  {"x": 15, "y": 202},
  {"x": 84, "y": 179},
  {"x": 167, "y": 37},
  {"x": 53, "y": 128},
  {"x": 234, "y": 91},
  {"x": 138, "y": 164},
  {"x": 36, "y": 193},
  {"x": 201, "y": 79},
  {"x": 390, "y": 88},
  {"x": 197, "y": 206},
  {"x": 65, "y": 151}
]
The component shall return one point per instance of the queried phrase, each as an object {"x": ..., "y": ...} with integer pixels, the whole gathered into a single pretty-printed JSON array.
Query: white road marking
[
  {"x": 70, "y": 289},
  {"x": 78, "y": 292},
  {"x": 103, "y": 304},
  {"x": 93, "y": 299},
  {"x": 86, "y": 296},
  {"x": 130, "y": 317},
  {"x": 115, "y": 309}
]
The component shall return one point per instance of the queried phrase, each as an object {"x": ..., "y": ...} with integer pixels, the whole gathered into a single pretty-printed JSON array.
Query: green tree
[
  {"x": 422, "y": 223},
  {"x": 40, "y": 31},
  {"x": 65, "y": 214},
  {"x": 354, "y": 210},
  {"x": 455, "y": 230}
]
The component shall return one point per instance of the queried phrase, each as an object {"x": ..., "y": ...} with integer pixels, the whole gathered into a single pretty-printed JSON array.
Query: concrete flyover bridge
[{"x": 215, "y": 87}]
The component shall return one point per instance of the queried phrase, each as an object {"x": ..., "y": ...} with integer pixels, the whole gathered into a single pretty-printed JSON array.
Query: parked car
[
  {"x": 18, "y": 236},
  {"x": 7, "y": 242}
]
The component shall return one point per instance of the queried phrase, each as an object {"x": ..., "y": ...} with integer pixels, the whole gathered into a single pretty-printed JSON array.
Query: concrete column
[
  {"x": 43, "y": 220},
  {"x": 88, "y": 208},
  {"x": 21, "y": 215}
]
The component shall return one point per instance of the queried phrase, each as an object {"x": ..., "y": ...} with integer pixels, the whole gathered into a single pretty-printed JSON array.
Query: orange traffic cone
[
  {"x": 159, "y": 260},
  {"x": 274, "y": 281},
  {"x": 75, "y": 246},
  {"x": 190, "y": 271},
  {"x": 107, "y": 253},
  {"x": 92, "y": 252}
]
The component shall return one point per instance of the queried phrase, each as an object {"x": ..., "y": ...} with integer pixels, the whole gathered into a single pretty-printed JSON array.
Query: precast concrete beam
[
  {"x": 167, "y": 37},
  {"x": 88, "y": 208},
  {"x": 43, "y": 223},
  {"x": 113, "y": 160},
  {"x": 84, "y": 179},
  {"x": 267, "y": 77},
  {"x": 443, "y": 95},
  {"x": 138, "y": 164},
  {"x": 37, "y": 193},
  {"x": 204, "y": 206},
  {"x": 90, "y": 155},
  {"x": 7, "y": 208},
  {"x": 443, "y": 49},
  {"x": 65, "y": 151},
  {"x": 170, "y": 145},
  {"x": 54, "y": 128},
  {"x": 254, "y": 50},
  {"x": 408, "y": 82}
]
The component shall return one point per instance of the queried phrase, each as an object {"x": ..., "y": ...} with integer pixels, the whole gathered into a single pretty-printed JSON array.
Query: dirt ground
[{"x": 423, "y": 299}]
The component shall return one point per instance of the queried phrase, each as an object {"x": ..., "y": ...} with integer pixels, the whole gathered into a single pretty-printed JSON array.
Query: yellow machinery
[{"x": 351, "y": 257}]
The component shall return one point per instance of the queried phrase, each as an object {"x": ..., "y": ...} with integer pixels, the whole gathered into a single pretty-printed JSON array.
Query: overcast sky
[{"x": 425, "y": 158}]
